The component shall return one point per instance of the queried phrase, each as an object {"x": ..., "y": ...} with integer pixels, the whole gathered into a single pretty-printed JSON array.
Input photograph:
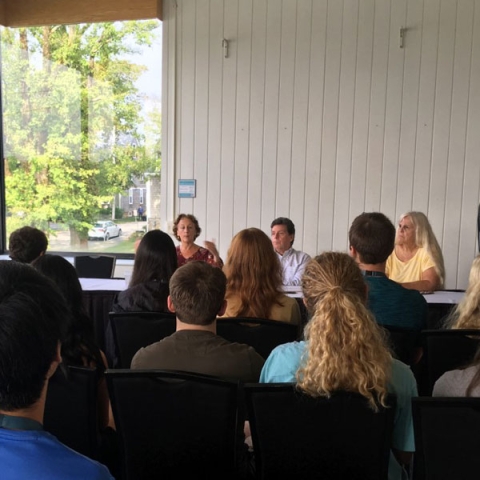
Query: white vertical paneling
[
  {"x": 169, "y": 84},
  {"x": 242, "y": 161},
  {"x": 471, "y": 180},
  {"x": 363, "y": 79},
  {"x": 318, "y": 114},
  {"x": 200, "y": 138},
  {"x": 213, "y": 116},
  {"x": 410, "y": 96},
  {"x": 330, "y": 124},
  {"x": 376, "y": 132},
  {"x": 442, "y": 115},
  {"x": 393, "y": 107},
  {"x": 312, "y": 219},
  {"x": 186, "y": 99},
  {"x": 426, "y": 102},
  {"x": 288, "y": 36},
  {"x": 456, "y": 147},
  {"x": 253, "y": 193},
  {"x": 272, "y": 106},
  {"x": 300, "y": 117},
  {"x": 229, "y": 93},
  {"x": 348, "y": 56}
]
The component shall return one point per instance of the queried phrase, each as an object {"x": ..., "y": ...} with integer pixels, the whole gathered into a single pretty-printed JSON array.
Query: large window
[{"x": 81, "y": 124}]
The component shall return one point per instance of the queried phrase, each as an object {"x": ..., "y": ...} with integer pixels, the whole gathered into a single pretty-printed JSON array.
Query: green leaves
[{"x": 73, "y": 129}]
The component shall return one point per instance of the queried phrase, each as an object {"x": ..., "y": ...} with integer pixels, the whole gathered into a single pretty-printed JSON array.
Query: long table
[{"x": 99, "y": 293}]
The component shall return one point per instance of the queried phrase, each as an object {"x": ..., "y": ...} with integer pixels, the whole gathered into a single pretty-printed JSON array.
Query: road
[{"x": 61, "y": 241}]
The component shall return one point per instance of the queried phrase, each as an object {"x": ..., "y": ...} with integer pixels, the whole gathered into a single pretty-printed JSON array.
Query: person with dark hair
[
  {"x": 293, "y": 261},
  {"x": 26, "y": 244},
  {"x": 32, "y": 322},
  {"x": 372, "y": 238},
  {"x": 154, "y": 264},
  {"x": 186, "y": 230},
  {"x": 78, "y": 347},
  {"x": 345, "y": 350},
  {"x": 197, "y": 296}
]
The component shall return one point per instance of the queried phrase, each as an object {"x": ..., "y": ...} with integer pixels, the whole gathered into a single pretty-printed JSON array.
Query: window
[{"x": 81, "y": 116}]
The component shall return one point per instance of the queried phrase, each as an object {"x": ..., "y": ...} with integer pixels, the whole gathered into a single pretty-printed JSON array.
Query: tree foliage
[{"x": 72, "y": 120}]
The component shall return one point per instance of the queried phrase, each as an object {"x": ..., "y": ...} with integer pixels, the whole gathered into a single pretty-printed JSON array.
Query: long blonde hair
[
  {"x": 347, "y": 350},
  {"x": 467, "y": 312},
  {"x": 425, "y": 238},
  {"x": 254, "y": 273}
]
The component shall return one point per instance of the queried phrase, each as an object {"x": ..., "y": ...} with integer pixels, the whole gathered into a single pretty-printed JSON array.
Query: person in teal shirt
[
  {"x": 372, "y": 239},
  {"x": 344, "y": 349}
]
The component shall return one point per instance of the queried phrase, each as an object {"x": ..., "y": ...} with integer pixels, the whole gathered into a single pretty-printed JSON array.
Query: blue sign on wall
[{"x": 187, "y": 188}]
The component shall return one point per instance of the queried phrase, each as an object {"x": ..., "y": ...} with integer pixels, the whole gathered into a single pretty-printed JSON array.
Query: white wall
[{"x": 317, "y": 114}]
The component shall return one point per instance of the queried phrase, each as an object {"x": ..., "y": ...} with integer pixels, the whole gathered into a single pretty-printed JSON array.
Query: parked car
[{"x": 104, "y": 230}]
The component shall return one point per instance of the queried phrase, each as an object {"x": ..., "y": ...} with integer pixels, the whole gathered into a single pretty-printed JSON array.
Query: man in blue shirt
[
  {"x": 32, "y": 317},
  {"x": 372, "y": 239}
]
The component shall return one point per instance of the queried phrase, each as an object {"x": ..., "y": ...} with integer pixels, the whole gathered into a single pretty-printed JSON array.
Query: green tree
[{"x": 71, "y": 118}]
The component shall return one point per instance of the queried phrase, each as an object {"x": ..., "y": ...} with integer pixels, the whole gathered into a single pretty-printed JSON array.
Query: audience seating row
[
  {"x": 440, "y": 350},
  {"x": 172, "y": 424},
  {"x": 132, "y": 331}
]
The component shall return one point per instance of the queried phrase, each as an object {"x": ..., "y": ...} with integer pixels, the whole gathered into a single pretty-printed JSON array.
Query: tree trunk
[{"x": 78, "y": 238}]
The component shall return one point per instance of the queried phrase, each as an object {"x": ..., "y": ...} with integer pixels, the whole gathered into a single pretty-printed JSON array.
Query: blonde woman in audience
[
  {"x": 254, "y": 280},
  {"x": 417, "y": 260},
  {"x": 345, "y": 350},
  {"x": 467, "y": 313}
]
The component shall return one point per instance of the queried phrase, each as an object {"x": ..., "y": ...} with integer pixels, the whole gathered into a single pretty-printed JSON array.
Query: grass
[{"x": 126, "y": 246}]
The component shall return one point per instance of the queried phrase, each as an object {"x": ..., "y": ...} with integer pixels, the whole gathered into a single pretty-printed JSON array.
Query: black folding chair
[
  {"x": 260, "y": 333},
  {"x": 95, "y": 266},
  {"x": 445, "y": 350},
  {"x": 404, "y": 343},
  {"x": 447, "y": 439},
  {"x": 71, "y": 409},
  {"x": 176, "y": 424},
  {"x": 295, "y": 435},
  {"x": 134, "y": 330}
]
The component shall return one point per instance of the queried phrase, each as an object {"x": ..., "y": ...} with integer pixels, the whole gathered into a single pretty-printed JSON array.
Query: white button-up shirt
[{"x": 293, "y": 264}]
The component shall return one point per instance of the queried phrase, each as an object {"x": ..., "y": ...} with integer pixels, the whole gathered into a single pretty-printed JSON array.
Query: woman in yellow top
[
  {"x": 254, "y": 280},
  {"x": 417, "y": 260}
]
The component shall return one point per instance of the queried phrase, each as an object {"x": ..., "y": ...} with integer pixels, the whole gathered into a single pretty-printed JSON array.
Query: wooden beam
[
  {"x": 30, "y": 13},
  {"x": 2, "y": 12}
]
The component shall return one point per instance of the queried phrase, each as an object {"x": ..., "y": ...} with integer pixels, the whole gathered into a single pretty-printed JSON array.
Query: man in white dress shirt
[{"x": 293, "y": 261}]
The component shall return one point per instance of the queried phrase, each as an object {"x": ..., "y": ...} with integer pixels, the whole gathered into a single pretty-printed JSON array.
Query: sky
[{"x": 150, "y": 82}]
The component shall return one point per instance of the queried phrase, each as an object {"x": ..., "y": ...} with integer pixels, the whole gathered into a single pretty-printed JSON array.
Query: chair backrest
[
  {"x": 403, "y": 342},
  {"x": 134, "y": 330},
  {"x": 446, "y": 350},
  {"x": 175, "y": 424},
  {"x": 447, "y": 439},
  {"x": 95, "y": 266},
  {"x": 260, "y": 333},
  {"x": 298, "y": 436},
  {"x": 71, "y": 409}
]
